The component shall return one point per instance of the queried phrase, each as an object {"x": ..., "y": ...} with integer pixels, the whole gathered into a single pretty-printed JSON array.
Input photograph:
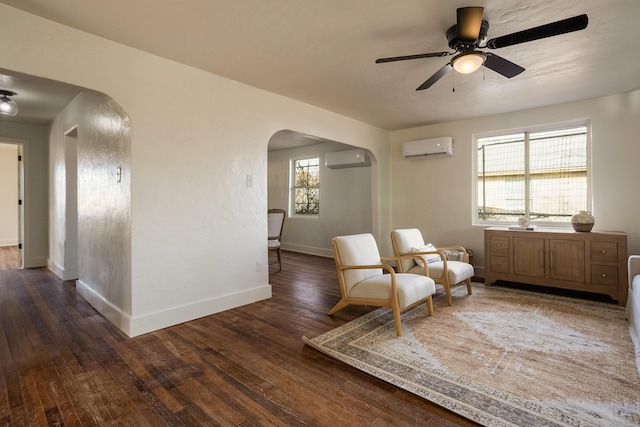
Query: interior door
[{"x": 20, "y": 207}]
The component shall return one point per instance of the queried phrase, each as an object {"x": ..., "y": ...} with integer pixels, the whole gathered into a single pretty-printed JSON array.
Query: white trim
[
  {"x": 112, "y": 313},
  {"x": 61, "y": 272},
  {"x": 568, "y": 124},
  {"x": 24, "y": 191},
  {"x": 526, "y": 131},
  {"x": 292, "y": 185},
  {"x": 134, "y": 326},
  {"x": 311, "y": 250}
]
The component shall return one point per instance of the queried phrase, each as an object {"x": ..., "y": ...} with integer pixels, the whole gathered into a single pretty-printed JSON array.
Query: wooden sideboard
[{"x": 592, "y": 262}]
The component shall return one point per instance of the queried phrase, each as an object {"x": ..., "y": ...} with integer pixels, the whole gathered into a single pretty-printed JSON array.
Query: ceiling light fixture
[
  {"x": 468, "y": 62},
  {"x": 8, "y": 107}
]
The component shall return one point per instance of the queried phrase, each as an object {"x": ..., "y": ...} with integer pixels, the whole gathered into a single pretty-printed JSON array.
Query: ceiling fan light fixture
[
  {"x": 8, "y": 107},
  {"x": 467, "y": 63}
]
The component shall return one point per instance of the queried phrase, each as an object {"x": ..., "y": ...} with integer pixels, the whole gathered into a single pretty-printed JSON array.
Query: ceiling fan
[{"x": 470, "y": 31}]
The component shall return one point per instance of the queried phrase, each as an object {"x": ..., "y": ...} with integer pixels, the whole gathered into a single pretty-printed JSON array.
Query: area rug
[{"x": 503, "y": 357}]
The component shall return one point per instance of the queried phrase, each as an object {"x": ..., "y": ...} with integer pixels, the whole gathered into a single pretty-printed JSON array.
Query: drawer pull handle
[
  {"x": 604, "y": 252},
  {"x": 604, "y": 275},
  {"x": 499, "y": 244}
]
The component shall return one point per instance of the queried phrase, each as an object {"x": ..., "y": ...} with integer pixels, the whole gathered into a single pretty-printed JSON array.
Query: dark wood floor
[{"x": 62, "y": 364}]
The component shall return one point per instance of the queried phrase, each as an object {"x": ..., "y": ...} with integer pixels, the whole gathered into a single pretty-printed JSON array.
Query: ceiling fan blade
[
  {"x": 469, "y": 22},
  {"x": 437, "y": 76},
  {"x": 564, "y": 26},
  {"x": 501, "y": 65},
  {"x": 418, "y": 56}
]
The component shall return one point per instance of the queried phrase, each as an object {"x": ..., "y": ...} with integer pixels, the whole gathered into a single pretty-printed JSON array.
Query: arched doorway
[{"x": 347, "y": 195}]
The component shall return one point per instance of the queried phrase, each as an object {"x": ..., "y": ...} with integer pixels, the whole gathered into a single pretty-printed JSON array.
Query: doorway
[
  {"x": 348, "y": 195},
  {"x": 12, "y": 198},
  {"x": 70, "y": 270}
]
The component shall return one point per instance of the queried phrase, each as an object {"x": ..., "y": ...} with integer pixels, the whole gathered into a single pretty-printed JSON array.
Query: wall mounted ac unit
[
  {"x": 346, "y": 159},
  {"x": 424, "y": 148}
]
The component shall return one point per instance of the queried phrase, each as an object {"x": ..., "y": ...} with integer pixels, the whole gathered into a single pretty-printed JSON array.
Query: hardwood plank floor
[
  {"x": 63, "y": 364},
  {"x": 8, "y": 258}
]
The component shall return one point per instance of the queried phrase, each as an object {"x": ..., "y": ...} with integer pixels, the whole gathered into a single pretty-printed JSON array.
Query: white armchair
[
  {"x": 633, "y": 304},
  {"x": 363, "y": 282},
  {"x": 443, "y": 271}
]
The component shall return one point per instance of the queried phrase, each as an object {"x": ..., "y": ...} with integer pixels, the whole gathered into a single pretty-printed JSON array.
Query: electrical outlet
[
  {"x": 249, "y": 181},
  {"x": 259, "y": 266}
]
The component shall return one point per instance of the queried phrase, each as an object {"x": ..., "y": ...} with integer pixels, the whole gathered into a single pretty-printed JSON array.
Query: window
[
  {"x": 306, "y": 186},
  {"x": 542, "y": 175}
]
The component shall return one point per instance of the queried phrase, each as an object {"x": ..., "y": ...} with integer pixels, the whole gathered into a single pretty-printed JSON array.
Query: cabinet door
[
  {"x": 528, "y": 256},
  {"x": 566, "y": 260}
]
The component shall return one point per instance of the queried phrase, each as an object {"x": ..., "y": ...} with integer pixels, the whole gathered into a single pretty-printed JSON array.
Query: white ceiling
[
  {"x": 39, "y": 100},
  {"x": 322, "y": 52}
]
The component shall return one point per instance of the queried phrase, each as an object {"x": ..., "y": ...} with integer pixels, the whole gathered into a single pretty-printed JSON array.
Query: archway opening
[{"x": 347, "y": 194}]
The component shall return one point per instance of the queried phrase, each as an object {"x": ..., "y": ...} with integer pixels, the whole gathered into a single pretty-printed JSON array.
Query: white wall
[
  {"x": 345, "y": 200},
  {"x": 8, "y": 195},
  {"x": 435, "y": 195},
  {"x": 34, "y": 140},
  {"x": 197, "y": 231},
  {"x": 91, "y": 213}
]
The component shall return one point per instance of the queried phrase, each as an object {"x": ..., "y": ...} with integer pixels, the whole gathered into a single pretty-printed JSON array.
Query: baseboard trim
[
  {"x": 112, "y": 313},
  {"x": 8, "y": 242},
  {"x": 310, "y": 250},
  {"x": 61, "y": 272},
  {"x": 134, "y": 326}
]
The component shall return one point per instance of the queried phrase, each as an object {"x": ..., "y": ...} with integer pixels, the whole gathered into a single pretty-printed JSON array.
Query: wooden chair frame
[
  {"x": 392, "y": 303},
  {"x": 444, "y": 280}
]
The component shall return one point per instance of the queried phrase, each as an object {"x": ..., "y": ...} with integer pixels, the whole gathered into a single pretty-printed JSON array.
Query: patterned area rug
[{"x": 503, "y": 357}]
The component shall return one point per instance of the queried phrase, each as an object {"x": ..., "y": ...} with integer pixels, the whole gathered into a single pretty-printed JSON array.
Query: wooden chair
[
  {"x": 443, "y": 271},
  {"x": 363, "y": 282},
  {"x": 275, "y": 225}
]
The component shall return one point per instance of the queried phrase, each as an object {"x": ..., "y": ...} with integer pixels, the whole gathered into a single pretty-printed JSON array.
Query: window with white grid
[
  {"x": 542, "y": 175},
  {"x": 306, "y": 186}
]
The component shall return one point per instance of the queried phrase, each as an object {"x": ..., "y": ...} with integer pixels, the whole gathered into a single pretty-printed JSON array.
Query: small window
[
  {"x": 306, "y": 186},
  {"x": 542, "y": 175}
]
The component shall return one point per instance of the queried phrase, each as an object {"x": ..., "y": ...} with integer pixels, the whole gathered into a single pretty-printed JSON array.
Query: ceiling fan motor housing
[{"x": 461, "y": 46}]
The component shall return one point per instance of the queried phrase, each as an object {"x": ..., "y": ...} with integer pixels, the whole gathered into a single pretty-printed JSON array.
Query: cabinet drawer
[
  {"x": 499, "y": 244},
  {"x": 604, "y": 275},
  {"x": 604, "y": 251},
  {"x": 499, "y": 264}
]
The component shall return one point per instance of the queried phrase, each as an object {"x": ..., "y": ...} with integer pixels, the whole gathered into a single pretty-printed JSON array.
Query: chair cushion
[
  {"x": 411, "y": 288},
  {"x": 275, "y": 221},
  {"x": 405, "y": 240},
  {"x": 458, "y": 271},
  {"x": 273, "y": 244},
  {"x": 358, "y": 249},
  {"x": 428, "y": 258}
]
